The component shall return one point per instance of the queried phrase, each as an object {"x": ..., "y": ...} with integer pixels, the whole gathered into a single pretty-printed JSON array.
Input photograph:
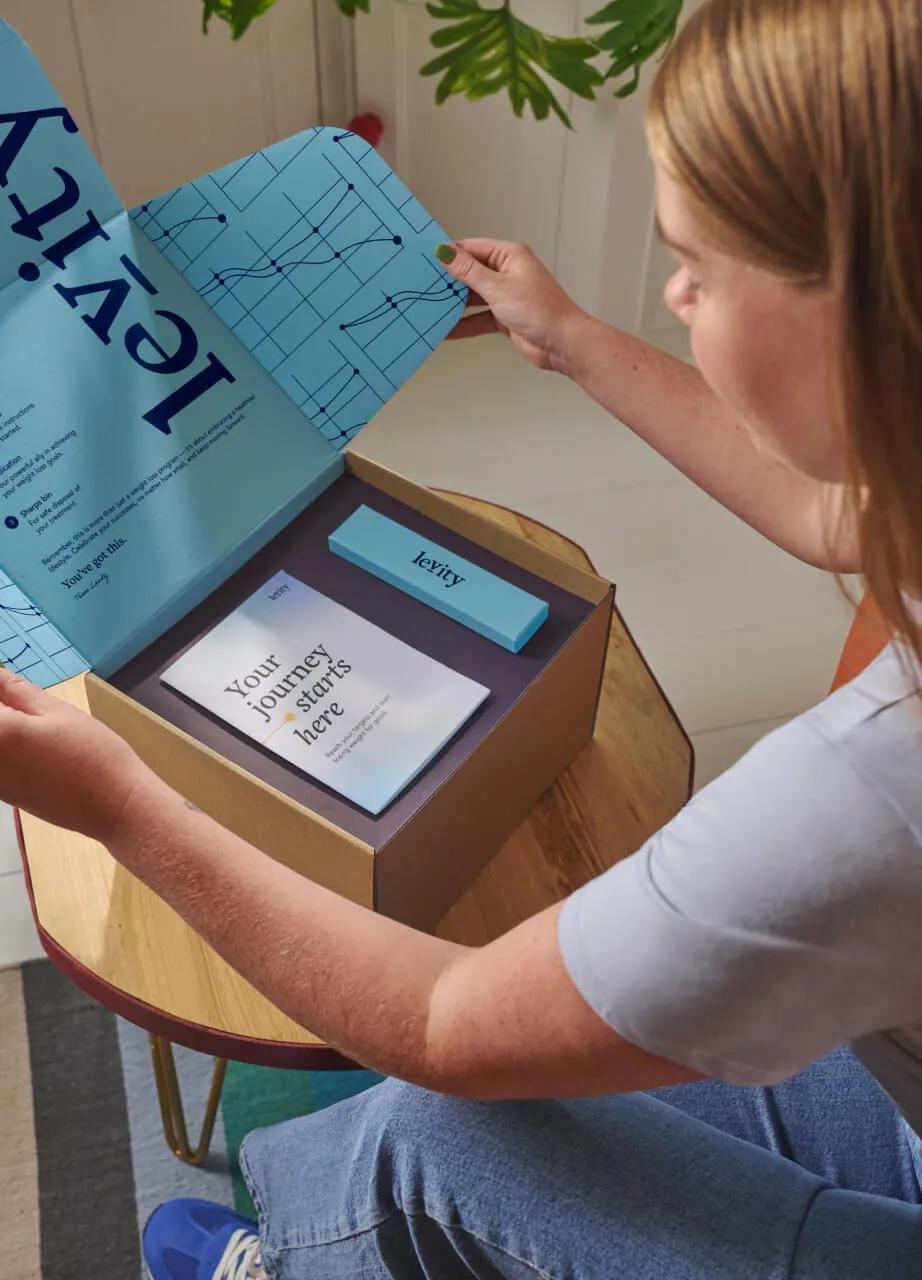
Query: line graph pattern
[
  {"x": 29, "y": 644},
  {"x": 322, "y": 263}
]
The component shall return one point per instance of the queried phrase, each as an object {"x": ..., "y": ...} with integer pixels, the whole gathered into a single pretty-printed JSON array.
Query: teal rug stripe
[
  {"x": 158, "y": 1175},
  {"x": 86, "y": 1186},
  {"x": 330, "y": 1087},
  {"x": 257, "y": 1097}
]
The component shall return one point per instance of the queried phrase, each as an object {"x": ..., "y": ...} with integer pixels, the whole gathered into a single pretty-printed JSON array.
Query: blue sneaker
[{"x": 198, "y": 1240}]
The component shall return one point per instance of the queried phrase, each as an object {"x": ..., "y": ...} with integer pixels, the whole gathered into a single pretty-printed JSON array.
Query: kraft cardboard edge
[{"x": 601, "y": 674}]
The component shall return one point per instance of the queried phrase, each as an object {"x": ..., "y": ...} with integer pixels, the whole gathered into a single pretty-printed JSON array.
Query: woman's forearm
[
  {"x": 668, "y": 404},
  {"x": 358, "y": 980},
  {"x": 457, "y": 1019}
]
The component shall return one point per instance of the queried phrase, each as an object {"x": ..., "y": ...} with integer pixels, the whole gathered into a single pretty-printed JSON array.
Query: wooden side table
[{"x": 131, "y": 952}]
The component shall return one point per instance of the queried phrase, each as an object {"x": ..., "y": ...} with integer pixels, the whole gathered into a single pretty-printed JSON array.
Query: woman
[{"x": 776, "y": 919}]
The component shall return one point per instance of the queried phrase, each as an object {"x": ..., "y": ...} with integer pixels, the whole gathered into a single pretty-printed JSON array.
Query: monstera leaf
[
  {"x": 489, "y": 50},
  {"x": 637, "y": 29}
]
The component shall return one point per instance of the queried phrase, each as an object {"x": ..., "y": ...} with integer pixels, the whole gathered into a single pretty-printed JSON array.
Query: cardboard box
[
  {"x": 181, "y": 385},
  {"x": 415, "y": 859}
]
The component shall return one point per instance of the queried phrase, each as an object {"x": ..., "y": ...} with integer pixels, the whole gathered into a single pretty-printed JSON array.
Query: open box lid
[{"x": 177, "y": 383}]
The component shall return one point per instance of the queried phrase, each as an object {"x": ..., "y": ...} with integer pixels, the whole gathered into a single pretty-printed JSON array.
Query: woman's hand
[
  {"x": 524, "y": 300},
  {"x": 61, "y": 764}
]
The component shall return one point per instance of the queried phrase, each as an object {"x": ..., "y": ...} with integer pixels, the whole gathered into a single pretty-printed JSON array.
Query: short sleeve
[{"x": 776, "y": 917}]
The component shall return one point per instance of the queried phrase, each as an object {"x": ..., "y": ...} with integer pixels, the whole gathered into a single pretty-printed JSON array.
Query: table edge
[{"x": 192, "y": 1035}]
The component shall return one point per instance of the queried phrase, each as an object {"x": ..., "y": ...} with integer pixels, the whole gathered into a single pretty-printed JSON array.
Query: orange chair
[{"x": 867, "y": 636}]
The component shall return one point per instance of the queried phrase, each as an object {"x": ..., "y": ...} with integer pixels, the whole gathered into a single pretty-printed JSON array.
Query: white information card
[{"x": 344, "y": 701}]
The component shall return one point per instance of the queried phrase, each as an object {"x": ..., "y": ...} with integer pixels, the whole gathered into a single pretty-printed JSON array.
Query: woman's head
[
  {"x": 786, "y": 135},
  {"x": 761, "y": 341}
]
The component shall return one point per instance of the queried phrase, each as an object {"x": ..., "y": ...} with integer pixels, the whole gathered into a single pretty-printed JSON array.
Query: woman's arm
[
  {"x": 669, "y": 405},
  {"x": 503, "y": 1020},
  {"x": 665, "y": 401},
  {"x": 499, "y": 1021}
]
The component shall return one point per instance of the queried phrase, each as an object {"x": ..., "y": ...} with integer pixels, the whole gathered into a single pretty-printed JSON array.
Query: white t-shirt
[{"x": 779, "y": 915}]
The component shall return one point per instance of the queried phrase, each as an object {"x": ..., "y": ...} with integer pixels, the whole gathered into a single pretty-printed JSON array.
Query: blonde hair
[{"x": 795, "y": 127}]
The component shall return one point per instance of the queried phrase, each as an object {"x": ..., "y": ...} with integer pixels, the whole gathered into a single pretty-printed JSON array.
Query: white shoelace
[{"x": 241, "y": 1260}]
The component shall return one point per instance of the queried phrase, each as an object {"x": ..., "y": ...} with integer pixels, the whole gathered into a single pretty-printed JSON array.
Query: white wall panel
[
  {"x": 290, "y": 56},
  {"x": 48, "y": 26},
  {"x": 607, "y": 209},
  {"x": 159, "y": 101},
  {"x": 170, "y": 102}
]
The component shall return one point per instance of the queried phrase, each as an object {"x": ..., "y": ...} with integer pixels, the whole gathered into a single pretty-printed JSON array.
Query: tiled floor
[{"x": 740, "y": 635}]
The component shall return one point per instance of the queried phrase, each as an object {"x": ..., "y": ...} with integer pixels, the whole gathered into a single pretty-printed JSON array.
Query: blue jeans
[{"x": 815, "y": 1179}]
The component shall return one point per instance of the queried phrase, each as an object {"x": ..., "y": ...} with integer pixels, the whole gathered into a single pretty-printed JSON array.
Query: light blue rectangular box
[{"x": 470, "y": 595}]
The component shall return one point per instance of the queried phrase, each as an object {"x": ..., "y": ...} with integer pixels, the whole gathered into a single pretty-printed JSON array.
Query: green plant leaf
[
  {"x": 637, "y": 30},
  {"x": 238, "y": 14},
  {"x": 489, "y": 50},
  {"x": 485, "y": 51}
]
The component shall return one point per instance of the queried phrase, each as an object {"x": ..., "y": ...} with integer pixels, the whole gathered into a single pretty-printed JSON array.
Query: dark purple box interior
[{"x": 301, "y": 549}]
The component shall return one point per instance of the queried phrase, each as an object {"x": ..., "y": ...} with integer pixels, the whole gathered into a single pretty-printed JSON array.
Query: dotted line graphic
[{"x": 305, "y": 246}]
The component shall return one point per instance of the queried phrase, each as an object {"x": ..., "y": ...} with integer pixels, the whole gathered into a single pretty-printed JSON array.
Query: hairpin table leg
[{"x": 171, "y": 1108}]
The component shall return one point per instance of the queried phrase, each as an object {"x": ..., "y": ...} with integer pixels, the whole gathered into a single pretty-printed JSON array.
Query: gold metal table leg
[{"x": 171, "y": 1108}]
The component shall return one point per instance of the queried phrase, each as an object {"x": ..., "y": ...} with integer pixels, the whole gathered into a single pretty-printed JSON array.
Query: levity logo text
[{"x": 69, "y": 226}]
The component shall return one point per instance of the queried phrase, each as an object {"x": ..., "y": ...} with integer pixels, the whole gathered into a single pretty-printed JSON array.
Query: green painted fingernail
[{"x": 446, "y": 252}]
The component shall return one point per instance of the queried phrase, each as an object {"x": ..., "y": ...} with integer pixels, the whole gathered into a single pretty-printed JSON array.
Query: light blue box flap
[
  {"x": 322, "y": 263},
  {"x": 145, "y": 450},
  {"x": 119, "y": 515}
]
